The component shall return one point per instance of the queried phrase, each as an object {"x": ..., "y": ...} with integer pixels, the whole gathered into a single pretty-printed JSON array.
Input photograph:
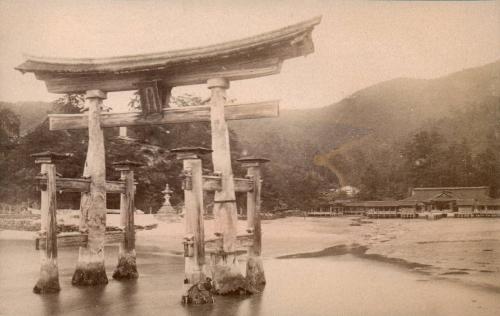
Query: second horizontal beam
[{"x": 80, "y": 185}]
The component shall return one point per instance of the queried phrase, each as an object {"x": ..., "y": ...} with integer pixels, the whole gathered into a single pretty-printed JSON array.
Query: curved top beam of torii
[{"x": 252, "y": 57}]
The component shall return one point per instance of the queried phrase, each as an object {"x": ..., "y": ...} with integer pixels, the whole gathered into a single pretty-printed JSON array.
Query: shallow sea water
[{"x": 340, "y": 285}]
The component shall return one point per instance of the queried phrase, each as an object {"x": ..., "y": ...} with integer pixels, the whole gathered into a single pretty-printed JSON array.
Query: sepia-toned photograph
[{"x": 249, "y": 158}]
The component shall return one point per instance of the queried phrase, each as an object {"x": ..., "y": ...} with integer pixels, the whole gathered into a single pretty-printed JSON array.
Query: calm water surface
[{"x": 322, "y": 286}]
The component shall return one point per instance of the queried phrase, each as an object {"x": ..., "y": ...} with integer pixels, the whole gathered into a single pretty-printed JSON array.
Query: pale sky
[{"x": 358, "y": 43}]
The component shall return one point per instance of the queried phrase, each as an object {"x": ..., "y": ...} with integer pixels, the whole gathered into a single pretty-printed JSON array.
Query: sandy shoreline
[{"x": 461, "y": 250}]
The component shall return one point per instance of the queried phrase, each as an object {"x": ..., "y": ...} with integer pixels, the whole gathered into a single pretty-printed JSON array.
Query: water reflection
[
  {"x": 51, "y": 304},
  {"x": 228, "y": 306},
  {"x": 251, "y": 306}
]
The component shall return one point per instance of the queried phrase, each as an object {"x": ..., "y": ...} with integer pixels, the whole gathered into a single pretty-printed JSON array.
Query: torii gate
[{"x": 154, "y": 75}]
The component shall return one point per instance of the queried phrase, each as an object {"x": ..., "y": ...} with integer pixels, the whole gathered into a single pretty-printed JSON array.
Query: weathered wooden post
[
  {"x": 255, "y": 276},
  {"x": 226, "y": 275},
  {"x": 90, "y": 268},
  {"x": 49, "y": 274},
  {"x": 194, "y": 238},
  {"x": 127, "y": 267}
]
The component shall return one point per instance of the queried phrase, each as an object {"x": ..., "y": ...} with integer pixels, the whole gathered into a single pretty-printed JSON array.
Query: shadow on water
[
  {"x": 426, "y": 269},
  {"x": 358, "y": 251}
]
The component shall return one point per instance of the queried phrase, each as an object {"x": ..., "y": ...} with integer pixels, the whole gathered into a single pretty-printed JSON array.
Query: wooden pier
[
  {"x": 409, "y": 214},
  {"x": 462, "y": 214},
  {"x": 325, "y": 212},
  {"x": 382, "y": 214},
  {"x": 434, "y": 215},
  {"x": 488, "y": 213}
]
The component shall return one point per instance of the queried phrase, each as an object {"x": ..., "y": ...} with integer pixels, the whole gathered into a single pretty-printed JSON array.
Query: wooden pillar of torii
[
  {"x": 154, "y": 75},
  {"x": 90, "y": 268},
  {"x": 226, "y": 275}
]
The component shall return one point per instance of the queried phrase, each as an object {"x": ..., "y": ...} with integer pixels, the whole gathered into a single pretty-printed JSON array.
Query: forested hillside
[
  {"x": 383, "y": 139},
  {"x": 31, "y": 114},
  {"x": 150, "y": 145},
  {"x": 345, "y": 142}
]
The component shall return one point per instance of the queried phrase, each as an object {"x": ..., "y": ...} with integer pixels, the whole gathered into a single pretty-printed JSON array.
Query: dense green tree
[
  {"x": 150, "y": 147},
  {"x": 457, "y": 166},
  {"x": 424, "y": 159},
  {"x": 371, "y": 184},
  {"x": 487, "y": 165},
  {"x": 9, "y": 127},
  {"x": 17, "y": 184}
]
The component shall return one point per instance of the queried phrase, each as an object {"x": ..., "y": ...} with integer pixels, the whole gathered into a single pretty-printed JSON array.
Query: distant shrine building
[{"x": 453, "y": 201}]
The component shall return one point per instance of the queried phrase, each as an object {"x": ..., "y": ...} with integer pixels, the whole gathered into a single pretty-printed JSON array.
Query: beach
[{"x": 314, "y": 266}]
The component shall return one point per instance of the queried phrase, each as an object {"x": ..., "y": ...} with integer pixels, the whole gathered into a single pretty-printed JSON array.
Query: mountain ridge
[
  {"x": 314, "y": 150},
  {"x": 380, "y": 115}
]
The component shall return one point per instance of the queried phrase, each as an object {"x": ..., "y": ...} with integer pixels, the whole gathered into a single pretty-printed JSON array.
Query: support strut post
[
  {"x": 48, "y": 281},
  {"x": 127, "y": 266},
  {"x": 255, "y": 270},
  {"x": 194, "y": 238}
]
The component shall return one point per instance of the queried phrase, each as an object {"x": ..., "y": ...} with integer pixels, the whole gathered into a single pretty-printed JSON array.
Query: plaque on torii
[{"x": 154, "y": 75}]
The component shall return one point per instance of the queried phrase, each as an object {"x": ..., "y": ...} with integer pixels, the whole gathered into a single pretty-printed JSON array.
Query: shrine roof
[
  {"x": 250, "y": 57},
  {"x": 490, "y": 202},
  {"x": 390, "y": 203},
  {"x": 449, "y": 193}
]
